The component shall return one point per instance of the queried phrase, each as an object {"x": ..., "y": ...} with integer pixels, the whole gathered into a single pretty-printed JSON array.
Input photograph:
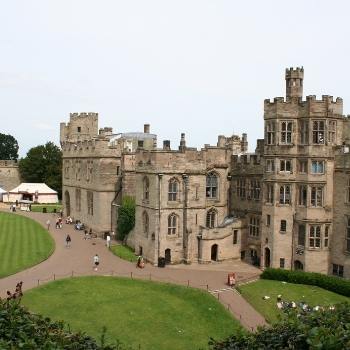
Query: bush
[
  {"x": 325, "y": 329},
  {"x": 126, "y": 217},
  {"x": 20, "y": 329},
  {"x": 331, "y": 283}
]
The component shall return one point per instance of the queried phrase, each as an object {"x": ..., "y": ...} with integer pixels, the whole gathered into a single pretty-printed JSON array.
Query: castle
[{"x": 285, "y": 205}]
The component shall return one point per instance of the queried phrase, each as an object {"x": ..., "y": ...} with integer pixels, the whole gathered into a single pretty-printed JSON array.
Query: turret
[{"x": 294, "y": 82}]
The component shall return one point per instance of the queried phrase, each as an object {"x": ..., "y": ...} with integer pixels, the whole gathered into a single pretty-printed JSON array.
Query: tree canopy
[
  {"x": 43, "y": 164},
  {"x": 126, "y": 217},
  {"x": 8, "y": 147}
]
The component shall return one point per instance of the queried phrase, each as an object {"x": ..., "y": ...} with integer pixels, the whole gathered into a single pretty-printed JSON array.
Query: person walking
[
  {"x": 68, "y": 240},
  {"x": 96, "y": 261},
  {"x": 108, "y": 241},
  {"x": 48, "y": 223}
]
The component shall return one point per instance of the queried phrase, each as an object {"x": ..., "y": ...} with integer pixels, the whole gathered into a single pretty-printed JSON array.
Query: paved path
[{"x": 78, "y": 261}]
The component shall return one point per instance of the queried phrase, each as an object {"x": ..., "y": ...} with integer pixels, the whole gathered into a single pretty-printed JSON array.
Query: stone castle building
[
  {"x": 285, "y": 205},
  {"x": 9, "y": 174}
]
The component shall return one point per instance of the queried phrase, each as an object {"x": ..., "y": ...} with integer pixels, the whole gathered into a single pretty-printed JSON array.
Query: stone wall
[{"x": 9, "y": 174}]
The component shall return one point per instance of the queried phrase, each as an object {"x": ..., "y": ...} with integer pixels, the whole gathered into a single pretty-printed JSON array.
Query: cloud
[{"x": 44, "y": 126}]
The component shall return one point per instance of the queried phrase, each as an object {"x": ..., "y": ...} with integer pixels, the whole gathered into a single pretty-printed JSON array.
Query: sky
[{"x": 199, "y": 67}]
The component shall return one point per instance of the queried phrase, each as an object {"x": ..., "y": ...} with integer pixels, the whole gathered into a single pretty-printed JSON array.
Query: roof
[
  {"x": 33, "y": 188},
  {"x": 134, "y": 135}
]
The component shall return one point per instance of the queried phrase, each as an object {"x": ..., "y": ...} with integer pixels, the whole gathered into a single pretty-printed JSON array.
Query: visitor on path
[
  {"x": 68, "y": 240},
  {"x": 108, "y": 241},
  {"x": 140, "y": 263},
  {"x": 96, "y": 261},
  {"x": 48, "y": 223}
]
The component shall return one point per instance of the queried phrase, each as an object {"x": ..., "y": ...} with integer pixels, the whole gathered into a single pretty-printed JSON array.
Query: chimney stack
[
  {"x": 166, "y": 145},
  {"x": 182, "y": 143},
  {"x": 146, "y": 128}
]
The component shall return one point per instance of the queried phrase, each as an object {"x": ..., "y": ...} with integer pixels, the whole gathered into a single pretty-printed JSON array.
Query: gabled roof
[{"x": 33, "y": 188}]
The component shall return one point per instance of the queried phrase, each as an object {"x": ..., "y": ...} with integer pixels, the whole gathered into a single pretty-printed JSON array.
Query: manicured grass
[
  {"x": 254, "y": 292},
  {"x": 124, "y": 252},
  {"x": 49, "y": 207},
  {"x": 23, "y": 243},
  {"x": 154, "y": 315}
]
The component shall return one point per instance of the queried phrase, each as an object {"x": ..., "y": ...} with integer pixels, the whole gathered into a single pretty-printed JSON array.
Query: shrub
[
  {"x": 331, "y": 283},
  {"x": 126, "y": 217},
  {"x": 325, "y": 329}
]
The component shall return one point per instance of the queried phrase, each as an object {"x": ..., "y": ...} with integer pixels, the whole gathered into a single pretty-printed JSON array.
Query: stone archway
[
  {"x": 267, "y": 257},
  {"x": 167, "y": 256},
  {"x": 67, "y": 202},
  {"x": 298, "y": 265},
  {"x": 214, "y": 252}
]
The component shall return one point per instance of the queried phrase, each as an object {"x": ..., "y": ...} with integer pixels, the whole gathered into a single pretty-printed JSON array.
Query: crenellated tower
[{"x": 294, "y": 82}]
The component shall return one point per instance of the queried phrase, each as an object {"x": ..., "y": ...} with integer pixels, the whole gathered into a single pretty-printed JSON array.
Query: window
[
  {"x": 78, "y": 199},
  {"x": 173, "y": 190},
  {"x": 283, "y": 226},
  {"x": 332, "y": 128},
  {"x": 270, "y": 133},
  {"x": 285, "y": 165},
  {"x": 316, "y": 196},
  {"x": 145, "y": 189},
  {"x": 241, "y": 188},
  {"x": 318, "y": 132},
  {"x": 79, "y": 129},
  {"x": 285, "y": 194},
  {"x": 282, "y": 263},
  {"x": 317, "y": 167},
  {"x": 326, "y": 236},
  {"x": 254, "y": 191},
  {"x": 145, "y": 223},
  {"x": 90, "y": 202},
  {"x": 235, "y": 236},
  {"x": 286, "y": 132},
  {"x": 140, "y": 144},
  {"x": 348, "y": 234},
  {"x": 303, "y": 195},
  {"x": 211, "y": 218},
  {"x": 338, "y": 270},
  {"x": 269, "y": 193},
  {"x": 304, "y": 132},
  {"x": 315, "y": 236},
  {"x": 270, "y": 165},
  {"x": 301, "y": 235},
  {"x": 212, "y": 185},
  {"x": 268, "y": 220},
  {"x": 254, "y": 226},
  {"x": 302, "y": 166},
  {"x": 172, "y": 224},
  {"x": 118, "y": 170}
]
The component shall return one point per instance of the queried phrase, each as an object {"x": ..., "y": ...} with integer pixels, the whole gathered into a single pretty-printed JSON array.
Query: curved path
[{"x": 78, "y": 261}]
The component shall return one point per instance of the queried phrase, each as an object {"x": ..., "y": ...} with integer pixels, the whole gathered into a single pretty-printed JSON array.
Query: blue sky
[{"x": 199, "y": 67}]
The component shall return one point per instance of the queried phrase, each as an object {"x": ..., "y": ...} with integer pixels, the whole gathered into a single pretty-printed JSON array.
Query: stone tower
[{"x": 294, "y": 82}]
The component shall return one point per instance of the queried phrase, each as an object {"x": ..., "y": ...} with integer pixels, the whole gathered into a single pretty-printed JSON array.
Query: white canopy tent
[
  {"x": 2, "y": 193},
  {"x": 35, "y": 192}
]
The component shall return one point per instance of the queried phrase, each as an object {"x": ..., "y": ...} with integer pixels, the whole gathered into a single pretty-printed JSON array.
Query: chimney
[
  {"x": 166, "y": 145},
  {"x": 146, "y": 128},
  {"x": 182, "y": 143}
]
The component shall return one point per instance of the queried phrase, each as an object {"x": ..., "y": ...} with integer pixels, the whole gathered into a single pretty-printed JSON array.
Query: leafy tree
[
  {"x": 43, "y": 164},
  {"x": 126, "y": 217},
  {"x": 8, "y": 147},
  {"x": 323, "y": 329}
]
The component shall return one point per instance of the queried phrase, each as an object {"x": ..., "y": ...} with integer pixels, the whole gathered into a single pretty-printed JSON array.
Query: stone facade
[
  {"x": 282, "y": 206},
  {"x": 9, "y": 174}
]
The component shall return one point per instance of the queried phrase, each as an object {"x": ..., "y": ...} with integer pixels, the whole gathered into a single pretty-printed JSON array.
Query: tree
[
  {"x": 8, "y": 147},
  {"x": 126, "y": 217},
  {"x": 43, "y": 164},
  {"x": 323, "y": 329}
]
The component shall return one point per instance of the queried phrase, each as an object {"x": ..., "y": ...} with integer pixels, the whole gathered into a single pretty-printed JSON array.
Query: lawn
[
  {"x": 154, "y": 315},
  {"x": 23, "y": 243},
  {"x": 124, "y": 252},
  {"x": 254, "y": 292},
  {"x": 49, "y": 207}
]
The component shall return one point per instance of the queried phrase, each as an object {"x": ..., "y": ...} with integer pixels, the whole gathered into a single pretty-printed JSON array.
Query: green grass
[
  {"x": 49, "y": 207},
  {"x": 124, "y": 252},
  {"x": 154, "y": 315},
  {"x": 254, "y": 292},
  {"x": 23, "y": 243}
]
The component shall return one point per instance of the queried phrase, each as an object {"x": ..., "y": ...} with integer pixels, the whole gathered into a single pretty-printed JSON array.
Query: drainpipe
[{"x": 159, "y": 213}]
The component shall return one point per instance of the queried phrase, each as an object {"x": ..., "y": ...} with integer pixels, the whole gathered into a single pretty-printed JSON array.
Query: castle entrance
[
  {"x": 267, "y": 257},
  {"x": 167, "y": 256},
  {"x": 67, "y": 202},
  {"x": 214, "y": 252}
]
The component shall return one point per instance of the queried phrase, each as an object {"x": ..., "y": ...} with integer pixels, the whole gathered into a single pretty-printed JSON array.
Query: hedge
[{"x": 331, "y": 283}]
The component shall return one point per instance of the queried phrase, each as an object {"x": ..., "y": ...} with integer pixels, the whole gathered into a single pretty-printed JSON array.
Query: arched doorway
[
  {"x": 214, "y": 252},
  {"x": 67, "y": 202},
  {"x": 267, "y": 257},
  {"x": 167, "y": 256},
  {"x": 298, "y": 265}
]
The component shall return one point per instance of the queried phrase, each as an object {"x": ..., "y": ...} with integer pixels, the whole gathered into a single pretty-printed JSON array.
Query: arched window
[
  {"x": 145, "y": 223},
  {"x": 145, "y": 188},
  {"x": 172, "y": 224},
  {"x": 173, "y": 190},
  {"x": 211, "y": 218},
  {"x": 212, "y": 185}
]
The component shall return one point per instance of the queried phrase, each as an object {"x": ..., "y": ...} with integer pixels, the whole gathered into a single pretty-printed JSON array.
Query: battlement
[
  {"x": 75, "y": 115},
  {"x": 249, "y": 159},
  {"x": 294, "y": 73}
]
